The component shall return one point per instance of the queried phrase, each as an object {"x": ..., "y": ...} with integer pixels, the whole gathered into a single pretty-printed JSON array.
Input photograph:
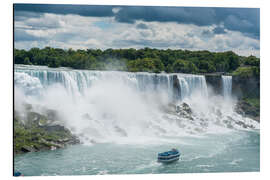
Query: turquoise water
[{"x": 237, "y": 151}]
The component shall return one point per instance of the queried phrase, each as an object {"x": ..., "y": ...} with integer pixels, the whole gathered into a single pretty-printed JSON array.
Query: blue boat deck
[{"x": 169, "y": 156}]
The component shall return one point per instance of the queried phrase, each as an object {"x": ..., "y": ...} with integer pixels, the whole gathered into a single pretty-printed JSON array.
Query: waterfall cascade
[
  {"x": 192, "y": 83},
  {"x": 108, "y": 105},
  {"x": 78, "y": 81},
  {"x": 227, "y": 86}
]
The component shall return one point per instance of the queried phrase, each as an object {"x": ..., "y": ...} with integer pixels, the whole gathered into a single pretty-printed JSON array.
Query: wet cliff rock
[
  {"x": 34, "y": 131},
  {"x": 215, "y": 82}
]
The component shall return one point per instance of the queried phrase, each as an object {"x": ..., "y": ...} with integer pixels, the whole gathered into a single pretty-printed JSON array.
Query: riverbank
[{"x": 34, "y": 131}]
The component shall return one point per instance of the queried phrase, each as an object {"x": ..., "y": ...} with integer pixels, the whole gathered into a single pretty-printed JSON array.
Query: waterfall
[
  {"x": 79, "y": 81},
  {"x": 190, "y": 84},
  {"x": 227, "y": 86},
  {"x": 107, "y": 105}
]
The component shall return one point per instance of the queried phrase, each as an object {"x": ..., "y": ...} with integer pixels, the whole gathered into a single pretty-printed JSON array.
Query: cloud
[
  {"x": 50, "y": 23},
  {"x": 245, "y": 20},
  {"x": 219, "y": 30},
  {"x": 22, "y": 35},
  {"x": 142, "y": 26},
  {"x": 83, "y": 32},
  {"x": 24, "y": 15}
]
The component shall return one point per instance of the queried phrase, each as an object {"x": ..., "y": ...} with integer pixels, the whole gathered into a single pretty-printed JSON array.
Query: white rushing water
[
  {"x": 109, "y": 106},
  {"x": 190, "y": 84},
  {"x": 227, "y": 86}
]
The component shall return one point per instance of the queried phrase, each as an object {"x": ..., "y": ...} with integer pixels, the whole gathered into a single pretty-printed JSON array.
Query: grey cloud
[
  {"x": 219, "y": 30},
  {"x": 210, "y": 33},
  {"x": 194, "y": 15},
  {"x": 207, "y": 33},
  {"x": 82, "y": 10},
  {"x": 153, "y": 44},
  {"x": 142, "y": 26},
  {"x": 245, "y": 20}
]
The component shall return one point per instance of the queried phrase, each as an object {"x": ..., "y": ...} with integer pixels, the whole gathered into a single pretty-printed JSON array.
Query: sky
[{"x": 103, "y": 27}]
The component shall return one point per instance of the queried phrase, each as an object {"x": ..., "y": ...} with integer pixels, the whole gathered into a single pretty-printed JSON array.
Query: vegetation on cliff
[
  {"x": 147, "y": 59},
  {"x": 37, "y": 132},
  {"x": 247, "y": 72},
  {"x": 250, "y": 67},
  {"x": 249, "y": 107}
]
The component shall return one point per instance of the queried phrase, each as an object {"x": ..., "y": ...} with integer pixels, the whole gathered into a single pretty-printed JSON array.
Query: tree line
[{"x": 146, "y": 60}]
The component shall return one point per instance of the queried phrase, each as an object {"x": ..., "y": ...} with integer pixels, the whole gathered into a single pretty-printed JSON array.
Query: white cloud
[{"x": 78, "y": 32}]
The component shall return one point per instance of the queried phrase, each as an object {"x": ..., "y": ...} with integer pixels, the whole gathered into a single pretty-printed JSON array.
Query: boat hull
[
  {"x": 168, "y": 160},
  {"x": 168, "y": 157}
]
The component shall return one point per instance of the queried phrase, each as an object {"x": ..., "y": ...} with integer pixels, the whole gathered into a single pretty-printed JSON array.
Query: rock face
[
  {"x": 241, "y": 86},
  {"x": 214, "y": 81},
  {"x": 245, "y": 86},
  {"x": 185, "y": 111},
  {"x": 176, "y": 87},
  {"x": 40, "y": 132},
  {"x": 26, "y": 148},
  {"x": 186, "y": 108},
  {"x": 246, "y": 109}
]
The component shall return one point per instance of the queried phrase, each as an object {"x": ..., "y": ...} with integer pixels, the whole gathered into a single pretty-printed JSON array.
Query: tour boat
[{"x": 169, "y": 156}]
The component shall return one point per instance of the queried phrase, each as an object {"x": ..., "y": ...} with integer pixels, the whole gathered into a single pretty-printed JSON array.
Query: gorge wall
[{"x": 246, "y": 86}]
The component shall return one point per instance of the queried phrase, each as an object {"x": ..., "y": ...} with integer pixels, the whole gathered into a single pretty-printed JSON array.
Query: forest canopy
[{"x": 146, "y": 60}]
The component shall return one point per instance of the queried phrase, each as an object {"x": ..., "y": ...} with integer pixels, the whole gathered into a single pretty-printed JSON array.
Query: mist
[{"x": 123, "y": 107}]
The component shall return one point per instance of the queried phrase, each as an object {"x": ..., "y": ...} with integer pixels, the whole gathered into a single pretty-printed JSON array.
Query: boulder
[
  {"x": 51, "y": 114},
  {"x": 26, "y": 148},
  {"x": 37, "y": 132},
  {"x": 246, "y": 109},
  {"x": 185, "y": 111},
  {"x": 186, "y": 108},
  {"x": 35, "y": 119},
  {"x": 51, "y": 128}
]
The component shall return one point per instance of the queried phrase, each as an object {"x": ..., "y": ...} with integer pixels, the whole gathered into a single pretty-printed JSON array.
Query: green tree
[
  {"x": 53, "y": 62},
  {"x": 252, "y": 61},
  {"x": 180, "y": 66},
  {"x": 147, "y": 59},
  {"x": 26, "y": 60},
  {"x": 192, "y": 68}
]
